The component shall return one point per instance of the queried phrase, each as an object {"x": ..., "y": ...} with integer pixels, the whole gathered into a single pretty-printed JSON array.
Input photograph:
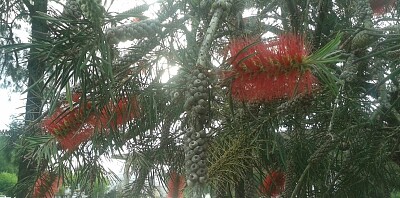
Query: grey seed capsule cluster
[
  {"x": 134, "y": 11},
  {"x": 196, "y": 103},
  {"x": 92, "y": 10},
  {"x": 139, "y": 30},
  {"x": 224, "y": 4},
  {"x": 72, "y": 9},
  {"x": 349, "y": 69},
  {"x": 362, "y": 40},
  {"x": 195, "y": 156},
  {"x": 393, "y": 55},
  {"x": 196, "y": 106},
  {"x": 301, "y": 100}
]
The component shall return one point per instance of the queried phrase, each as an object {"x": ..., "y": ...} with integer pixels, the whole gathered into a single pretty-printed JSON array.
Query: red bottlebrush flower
[
  {"x": 69, "y": 126},
  {"x": 176, "y": 184},
  {"x": 270, "y": 71},
  {"x": 72, "y": 140},
  {"x": 277, "y": 56},
  {"x": 135, "y": 19},
  {"x": 382, "y": 6},
  {"x": 262, "y": 87},
  {"x": 273, "y": 184},
  {"x": 125, "y": 110},
  {"x": 244, "y": 54},
  {"x": 72, "y": 127},
  {"x": 76, "y": 97},
  {"x": 287, "y": 52},
  {"x": 46, "y": 186}
]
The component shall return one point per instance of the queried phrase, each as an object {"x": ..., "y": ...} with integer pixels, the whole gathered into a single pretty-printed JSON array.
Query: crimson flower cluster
[
  {"x": 176, "y": 185},
  {"x": 268, "y": 71},
  {"x": 273, "y": 184},
  {"x": 46, "y": 186},
  {"x": 382, "y": 6},
  {"x": 73, "y": 127}
]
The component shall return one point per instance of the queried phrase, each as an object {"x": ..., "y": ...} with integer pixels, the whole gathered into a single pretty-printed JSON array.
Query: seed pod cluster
[
  {"x": 224, "y": 4},
  {"x": 139, "y": 30},
  {"x": 393, "y": 55},
  {"x": 195, "y": 156},
  {"x": 196, "y": 103},
  {"x": 72, "y": 10},
  {"x": 136, "y": 11},
  {"x": 92, "y": 10},
  {"x": 301, "y": 100},
  {"x": 362, "y": 40},
  {"x": 196, "y": 107},
  {"x": 349, "y": 69}
]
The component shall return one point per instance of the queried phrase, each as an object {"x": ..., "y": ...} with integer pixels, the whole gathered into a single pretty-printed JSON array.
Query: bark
[{"x": 27, "y": 168}]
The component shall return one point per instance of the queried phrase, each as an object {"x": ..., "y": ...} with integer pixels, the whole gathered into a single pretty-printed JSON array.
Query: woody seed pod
[
  {"x": 195, "y": 136},
  {"x": 192, "y": 144},
  {"x": 201, "y": 172},
  {"x": 201, "y": 163},
  {"x": 196, "y": 158},
  {"x": 197, "y": 82},
  {"x": 201, "y": 76},
  {"x": 203, "y": 180},
  {"x": 193, "y": 177},
  {"x": 198, "y": 149},
  {"x": 194, "y": 167}
]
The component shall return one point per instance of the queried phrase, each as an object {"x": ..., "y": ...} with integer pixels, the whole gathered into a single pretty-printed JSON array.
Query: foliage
[
  {"x": 7, "y": 182},
  {"x": 13, "y": 69},
  {"x": 338, "y": 140},
  {"x": 7, "y": 155},
  {"x": 8, "y": 140}
]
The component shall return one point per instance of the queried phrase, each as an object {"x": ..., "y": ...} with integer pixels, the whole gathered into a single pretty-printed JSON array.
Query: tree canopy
[{"x": 228, "y": 97}]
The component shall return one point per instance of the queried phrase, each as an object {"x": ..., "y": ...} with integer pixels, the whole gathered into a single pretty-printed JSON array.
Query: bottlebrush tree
[{"x": 224, "y": 92}]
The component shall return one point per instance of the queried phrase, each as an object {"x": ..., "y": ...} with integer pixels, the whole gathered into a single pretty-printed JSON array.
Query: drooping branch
[{"x": 220, "y": 6}]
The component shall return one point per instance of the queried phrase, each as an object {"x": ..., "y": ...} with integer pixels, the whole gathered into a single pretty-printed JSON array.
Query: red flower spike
[
  {"x": 69, "y": 126},
  {"x": 273, "y": 184},
  {"x": 262, "y": 87},
  {"x": 76, "y": 97},
  {"x": 73, "y": 127},
  {"x": 176, "y": 184},
  {"x": 46, "y": 186},
  {"x": 72, "y": 140},
  {"x": 287, "y": 52},
  {"x": 245, "y": 54},
  {"x": 252, "y": 55},
  {"x": 135, "y": 19},
  {"x": 121, "y": 113},
  {"x": 269, "y": 71},
  {"x": 382, "y": 6},
  {"x": 64, "y": 121}
]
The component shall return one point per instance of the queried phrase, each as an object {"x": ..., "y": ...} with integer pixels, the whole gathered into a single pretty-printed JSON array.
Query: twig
[{"x": 206, "y": 45}]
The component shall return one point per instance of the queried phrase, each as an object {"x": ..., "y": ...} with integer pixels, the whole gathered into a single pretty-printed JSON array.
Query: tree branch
[{"x": 28, "y": 5}]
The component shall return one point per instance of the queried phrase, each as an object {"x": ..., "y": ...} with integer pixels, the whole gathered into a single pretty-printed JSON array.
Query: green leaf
[{"x": 329, "y": 54}]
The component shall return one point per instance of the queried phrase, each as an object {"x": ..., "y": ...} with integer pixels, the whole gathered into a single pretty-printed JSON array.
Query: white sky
[{"x": 11, "y": 104}]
